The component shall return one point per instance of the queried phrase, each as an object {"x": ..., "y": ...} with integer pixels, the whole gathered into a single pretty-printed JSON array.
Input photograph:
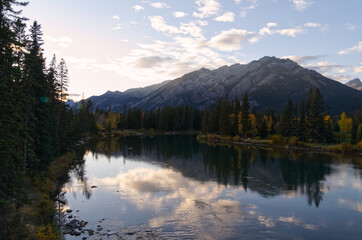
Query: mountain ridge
[{"x": 270, "y": 82}]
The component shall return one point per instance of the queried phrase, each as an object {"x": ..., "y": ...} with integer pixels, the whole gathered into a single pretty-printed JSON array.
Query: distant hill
[
  {"x": 117, "y": 99},
  {"x": 269, "y": 81},
  {"x": 355, "y": 83}
]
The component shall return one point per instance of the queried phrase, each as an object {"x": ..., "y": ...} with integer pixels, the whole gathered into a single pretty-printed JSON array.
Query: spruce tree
[{"x": 245, "y": 119}]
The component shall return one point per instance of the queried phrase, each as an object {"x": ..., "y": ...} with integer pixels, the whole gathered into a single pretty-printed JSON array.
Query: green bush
[{"x": 345, "y": 147}]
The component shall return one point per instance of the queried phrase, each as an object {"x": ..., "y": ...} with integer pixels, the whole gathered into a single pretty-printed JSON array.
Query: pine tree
[
  {"x": 315, "y": 121},
  {"x": 63, "y": 79},
  {"x": 245, "y": 119}
]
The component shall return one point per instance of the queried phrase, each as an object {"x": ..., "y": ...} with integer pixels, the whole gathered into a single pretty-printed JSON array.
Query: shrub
[
  {"x": 345, "y": 147},
  {"x": 277, "y": 139},
  {"x": 237, "y": 138},
  {"x": 294, "y": 141},
  {"x": 46, "y": 209},
  {"x": 48, "y": 232}
]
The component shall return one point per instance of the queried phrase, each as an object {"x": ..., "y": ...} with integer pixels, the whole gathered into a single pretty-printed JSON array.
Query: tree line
[
  {"x": 306, "y": 120},
  {"x": 36, "y": 125}
]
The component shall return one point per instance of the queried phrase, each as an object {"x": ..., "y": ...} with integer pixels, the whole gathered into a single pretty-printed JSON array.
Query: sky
[{"x": 121, "y": 44}]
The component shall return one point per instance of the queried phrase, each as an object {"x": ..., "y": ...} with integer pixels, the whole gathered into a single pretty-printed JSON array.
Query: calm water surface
[{"x": 189, "y": 190}]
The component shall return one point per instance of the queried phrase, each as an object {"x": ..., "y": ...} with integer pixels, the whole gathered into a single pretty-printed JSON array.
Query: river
[{"x": 174, "y": 187}]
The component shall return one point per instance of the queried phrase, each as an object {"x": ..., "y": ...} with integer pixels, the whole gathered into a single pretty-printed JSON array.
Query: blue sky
[{"x": 121, "y": 44}]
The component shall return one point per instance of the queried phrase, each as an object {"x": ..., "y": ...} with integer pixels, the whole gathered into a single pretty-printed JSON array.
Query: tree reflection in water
[{"x": 269, "y": 172}]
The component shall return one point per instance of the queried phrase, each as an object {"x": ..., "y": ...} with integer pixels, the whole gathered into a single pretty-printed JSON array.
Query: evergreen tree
[
  {"x": 63, "y": 79},
  {"x": 263, "y": 129},
  {"x": 205, "y": 120},
  {"x": 245, "y": 119},
  {"x": 315, "y": 123},
  {"x": 224, "y": 117}
]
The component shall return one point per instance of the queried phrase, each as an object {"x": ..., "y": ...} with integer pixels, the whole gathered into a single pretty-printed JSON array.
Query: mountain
[
  {"x": 355, "y": 83},
  {"x": 117, "y": 99},
  {"x": 269, "y": 81}
]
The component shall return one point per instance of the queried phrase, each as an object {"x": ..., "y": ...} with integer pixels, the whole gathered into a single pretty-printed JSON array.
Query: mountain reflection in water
[{"x": 188, "y": 189}]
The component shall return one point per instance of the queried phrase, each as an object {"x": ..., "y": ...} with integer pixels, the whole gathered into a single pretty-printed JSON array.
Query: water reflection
[
  {"x": 269, "y": 172},
  {"x": 192, "y": 190}
]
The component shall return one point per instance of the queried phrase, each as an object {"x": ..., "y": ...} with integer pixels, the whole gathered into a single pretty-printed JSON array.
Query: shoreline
[{"x": 332, "y": 148}]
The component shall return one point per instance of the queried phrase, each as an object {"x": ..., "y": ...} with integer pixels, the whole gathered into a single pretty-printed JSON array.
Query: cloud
[
  {"x": 159, "y": 5},
  {"x": 350, "y": 26},
  {"x": 115, "y": 17},
  {"x": 230, "y": 40},
  {"x": 207, "y": 8},
  {"x": 301, "y": 5},
  {"x": 138, "y": 8},
  {"x": 179, "y": 14},
  {"x": 291, "y": 32},
  {"x": 151, "y": 61},
  {"x": 356, "y": 48},
  {"x": 117, "y": 27},
  {"x": 226, "y": 17},
  {"x": 158, "y": 23},
  {"x": 62, "y": 41},
  {"x": 312, "y": 25},
  {"x": 303, "y": 59},
  {"x": 331, "y": 70},
  {"x": 357, "y": 69}
]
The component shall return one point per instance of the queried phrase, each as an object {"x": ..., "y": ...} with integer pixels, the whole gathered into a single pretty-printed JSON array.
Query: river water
[{"x": 179, "y": 188}]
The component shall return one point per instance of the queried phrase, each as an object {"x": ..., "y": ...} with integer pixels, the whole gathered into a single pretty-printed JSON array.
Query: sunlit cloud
[
  {"x": 356, "y": 48},
  {"x": 159, "y": 5},
  {"x": 230, "y": 40},
  {"x": 207, "y": 8},
  {"x": 303, "y": 59},
  {"x": 115, "y": 17},
  {"x": 138, "y": 8},
  {"x": 61, "y": 41},
  {"x": 150, "y": 62},
  {"x": 226, "y": 17},
  {"x": 357, "y": 69},
  {"x": 179, "y": 14},
  {"x": 301, "y": 5}
]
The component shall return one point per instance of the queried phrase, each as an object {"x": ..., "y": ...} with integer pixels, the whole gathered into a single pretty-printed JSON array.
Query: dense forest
[
  {"x": 305, "y": 121},
  {"x": 35, "y": 123}
]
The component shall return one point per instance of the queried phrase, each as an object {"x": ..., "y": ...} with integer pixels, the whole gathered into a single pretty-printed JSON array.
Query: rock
[
  {"x": 94, "y": 186},
  {"x": 99, "y": 228},
  {"x": 69, "y": 211},
  {"x": 70, "y": 216},
  {"x": 112, "y": 233},
  {"x": 84, "y": 238}
]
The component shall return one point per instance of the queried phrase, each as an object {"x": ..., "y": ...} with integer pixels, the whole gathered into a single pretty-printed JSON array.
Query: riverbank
[
  {"x": 278, "y": 141},
  {"x": 34, "y": 218}
]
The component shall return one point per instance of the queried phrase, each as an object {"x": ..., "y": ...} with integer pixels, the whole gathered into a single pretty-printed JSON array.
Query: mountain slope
[
  {"x": 269, "y": 81},
  {"x": 117, "y": 99},
  {"x": 355, "y": 83}
]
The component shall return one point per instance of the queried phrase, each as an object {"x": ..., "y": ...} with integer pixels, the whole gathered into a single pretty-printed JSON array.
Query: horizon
[{"x": 116, "y": 46}]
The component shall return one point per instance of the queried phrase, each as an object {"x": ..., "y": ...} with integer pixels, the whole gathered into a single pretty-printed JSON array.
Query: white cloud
[
  {"x": 301, "y": 5},
  {"x": 117, "y": 27},
  {"x": 357, "y": 69},
  {"x": 312, "y": 25},
  {"x": 179, "y": 14},
  {"x": 350, "y": 26},
  {"x": 226, "y": 17},
  {"x": 230, "y": 40},
  {"x": 271, "y": 24},
  {"x": 159, "y": 24},
  {"x": 115, "y": 17},
  {"x": 138, "y": 8},
  {"x": 237, "y": 1},
  {"x": 356, "y": 48},
  {"x": 62, "y": 41},
  {"x": 202, "y": 23},
  {"x": 292, "y": 32},
  {"x": 159, "y": 5},
  {"x": 207, "y": 8}
]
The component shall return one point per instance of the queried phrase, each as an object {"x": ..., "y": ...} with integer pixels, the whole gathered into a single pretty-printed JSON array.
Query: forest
[
  {"x": 306, "y": 121},
  {"x": 36, "y": 125}
]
